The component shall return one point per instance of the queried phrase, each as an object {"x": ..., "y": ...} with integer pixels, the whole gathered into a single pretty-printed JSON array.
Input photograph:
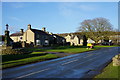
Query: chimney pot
[
  {"x": 51, "y": 33},
  {"x": 21, "y": 31},
  {"x": 44, "y": 29}
]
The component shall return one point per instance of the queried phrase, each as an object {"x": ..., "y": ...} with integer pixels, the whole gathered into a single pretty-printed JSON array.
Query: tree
[{"x": 96, "y": 29}]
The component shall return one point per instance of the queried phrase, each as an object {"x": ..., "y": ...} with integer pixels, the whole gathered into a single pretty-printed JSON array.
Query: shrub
[
  {"x": 15, "y": 51},
  {"x": 17, "y": 45}
]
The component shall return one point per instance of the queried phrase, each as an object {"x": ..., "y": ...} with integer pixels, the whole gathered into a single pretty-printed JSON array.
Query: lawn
[
  {"x": 109, "y": 72},
  {"x": 102, "y": 46},
  {"x": 64, "y": 49},
  {"x": 70, "y": 50},
  {"x": 21, "y": 56},
  {"x": 16, "y": 60}
]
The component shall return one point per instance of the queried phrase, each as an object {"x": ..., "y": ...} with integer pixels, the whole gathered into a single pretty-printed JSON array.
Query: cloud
[
  {"x": 15, "y": 18},
  {"x": 70, "y": 9},
  {"x": 65, "y": 9},
  {"x": 18, "y": 5},
  {"x": 88, "y": 7}
]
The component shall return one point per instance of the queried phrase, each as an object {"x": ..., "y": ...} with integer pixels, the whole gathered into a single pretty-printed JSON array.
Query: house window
[
  {"x": 38, "y": 36},
  {"x": 54, "y": 36},
  {"x": 46, "y": 42},
  {"x": 37, "y": 42},
  {"x": 63, "y": 41},
  {"x": 20, "y": 38}
]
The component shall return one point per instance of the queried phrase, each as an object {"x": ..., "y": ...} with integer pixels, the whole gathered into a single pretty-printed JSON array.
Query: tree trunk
[{"x": 96, "y": 42}]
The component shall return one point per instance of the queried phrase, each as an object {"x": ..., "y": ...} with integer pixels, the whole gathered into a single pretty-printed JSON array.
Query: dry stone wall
[{"x": 116, "y": 60}]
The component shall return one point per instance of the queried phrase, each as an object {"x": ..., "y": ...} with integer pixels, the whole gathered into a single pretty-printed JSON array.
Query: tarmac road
[{"x": 83, "y": 65}]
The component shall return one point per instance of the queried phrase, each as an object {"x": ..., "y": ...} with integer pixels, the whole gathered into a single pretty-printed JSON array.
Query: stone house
[
  {"x": 59, "y": 39},
  {"x": 115, "y": 39},
  {"x": 90, "y": 41},
  {"x": 77, "y": 39},
  {"x": 74, "y": 39},
  {"x": 18, "y": 36},
  {"x": 36, "y": 37}
]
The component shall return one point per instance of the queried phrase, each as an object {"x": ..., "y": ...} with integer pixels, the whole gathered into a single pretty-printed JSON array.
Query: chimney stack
[
  {"x": 29, "y": 26},
  {"x": 44, "y": 29},
  {"x": 21, "y": 31},
  {"x": 51, "y": 33},
  {"x": 47, "y": 32}
]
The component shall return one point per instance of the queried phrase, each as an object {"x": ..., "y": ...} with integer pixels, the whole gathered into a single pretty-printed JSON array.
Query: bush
[
  {"x": 17, "y": 45},
  {"x": 14, "y": 51}
]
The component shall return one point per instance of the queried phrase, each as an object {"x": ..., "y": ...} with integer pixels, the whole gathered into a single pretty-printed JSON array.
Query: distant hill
[
  {"x": 81, "y": 33},
  {"x": 65, "y": 34}
]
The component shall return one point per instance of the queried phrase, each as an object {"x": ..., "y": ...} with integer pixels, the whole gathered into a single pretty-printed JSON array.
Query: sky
[
  {"x": 60, "y": 0},
  {"x": 57, "y": 17}
]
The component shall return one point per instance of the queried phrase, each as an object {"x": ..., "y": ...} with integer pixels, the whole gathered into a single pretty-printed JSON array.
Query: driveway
[{"x": 83, "y": 65}]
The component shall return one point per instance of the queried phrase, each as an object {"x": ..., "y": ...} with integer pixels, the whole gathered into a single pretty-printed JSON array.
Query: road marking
[
  {"x": 69, "y": 62},
  {"x": 88, "y": 55},
  {"x": 31, "y": 73}
]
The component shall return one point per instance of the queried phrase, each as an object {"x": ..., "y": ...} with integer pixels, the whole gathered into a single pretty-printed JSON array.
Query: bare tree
[{"x": 96, "y": 29}]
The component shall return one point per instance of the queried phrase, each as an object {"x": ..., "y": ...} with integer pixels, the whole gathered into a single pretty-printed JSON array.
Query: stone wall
[{"x": 116, "y": 60}]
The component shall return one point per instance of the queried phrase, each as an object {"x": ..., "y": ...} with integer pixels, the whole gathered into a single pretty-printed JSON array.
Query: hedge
[{"x": 14, "y": 51}]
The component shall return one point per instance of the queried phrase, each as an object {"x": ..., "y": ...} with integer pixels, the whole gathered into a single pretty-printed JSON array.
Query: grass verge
[
  {"x": 28, "y": 59},
  {"x": 103, "y": 46},
  {"x": 109, "y": 72},
  {"x": 64, "y": 49},
  {"x": 69, "y": 49}
]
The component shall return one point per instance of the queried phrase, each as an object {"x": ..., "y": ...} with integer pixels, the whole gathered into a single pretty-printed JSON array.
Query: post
[{"x": 7, "y": 38}]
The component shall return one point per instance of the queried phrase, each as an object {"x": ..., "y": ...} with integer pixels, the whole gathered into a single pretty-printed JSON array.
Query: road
[{"x": 83, "y": 65}]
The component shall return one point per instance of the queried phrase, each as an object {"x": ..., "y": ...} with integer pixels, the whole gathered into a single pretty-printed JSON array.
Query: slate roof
[
  {"x": 39, "y": 32},
  {"x": 16, "y": 34},
  {"x": 58, "y": 36},
  {"x": 36, "y": 31},
  {"x": 33, "y": 30}
]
